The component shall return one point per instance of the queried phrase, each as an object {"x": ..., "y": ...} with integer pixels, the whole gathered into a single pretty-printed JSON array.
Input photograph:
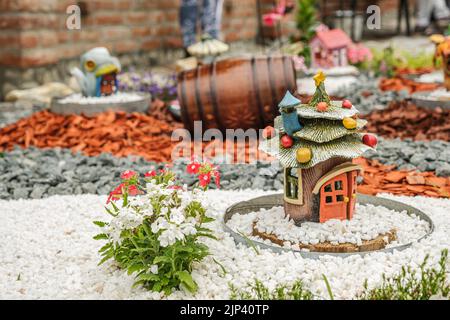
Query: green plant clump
[
  {"x": 258, "y": 291},
  {"x": 409, "y": 285},
  {"x": 430, "y": 283},
  {"x": 306, "y": 20},
  {"x": 155, "y": 235}
]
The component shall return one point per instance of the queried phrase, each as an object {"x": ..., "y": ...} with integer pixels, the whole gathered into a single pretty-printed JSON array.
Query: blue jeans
[{"x": 209, "y": 14}]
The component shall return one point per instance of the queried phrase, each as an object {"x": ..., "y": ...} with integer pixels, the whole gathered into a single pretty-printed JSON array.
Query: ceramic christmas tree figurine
[
  {"x": 316, "y": 150},
  {"x": 97, "y": 73}
]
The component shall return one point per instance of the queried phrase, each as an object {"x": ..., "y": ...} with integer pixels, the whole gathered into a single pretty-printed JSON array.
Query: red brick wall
[{"x": 34, "y": 33}]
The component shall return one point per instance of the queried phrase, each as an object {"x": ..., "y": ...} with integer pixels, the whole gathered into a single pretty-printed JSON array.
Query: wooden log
[{"x": 367, "y": 245}]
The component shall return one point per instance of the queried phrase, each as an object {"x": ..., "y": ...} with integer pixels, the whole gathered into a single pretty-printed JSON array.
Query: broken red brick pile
[
  {"x": 115, "y": 132},
  {"x": 405, "y": 120},
  {"x": 379, "y": 178},
  {"x": 400, "y": 83}
]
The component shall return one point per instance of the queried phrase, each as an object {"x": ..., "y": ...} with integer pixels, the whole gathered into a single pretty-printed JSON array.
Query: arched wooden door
[
  {"x": 333, "y": 196},
  {"x": 338, "y": 197}
]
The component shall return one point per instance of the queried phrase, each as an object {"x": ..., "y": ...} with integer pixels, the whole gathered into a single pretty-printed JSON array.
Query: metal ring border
[{"x": 269, "y": 201}]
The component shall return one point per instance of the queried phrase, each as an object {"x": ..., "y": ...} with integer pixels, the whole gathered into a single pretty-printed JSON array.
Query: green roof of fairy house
[{"x": 322, "y": 132}]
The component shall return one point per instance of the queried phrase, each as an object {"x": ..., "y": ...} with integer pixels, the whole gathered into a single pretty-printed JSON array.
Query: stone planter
[{"x": 141, "y": 105}]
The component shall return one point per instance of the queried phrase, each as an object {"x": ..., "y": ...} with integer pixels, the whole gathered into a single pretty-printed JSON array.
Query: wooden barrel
[{"x": 235, "y": 93}]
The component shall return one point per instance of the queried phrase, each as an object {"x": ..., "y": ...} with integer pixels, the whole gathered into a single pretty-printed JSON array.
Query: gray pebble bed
[
  {"x": 37, "y": 173},
  {"x": 11, "y": 112},
  {"x": 366, "y": 95}
]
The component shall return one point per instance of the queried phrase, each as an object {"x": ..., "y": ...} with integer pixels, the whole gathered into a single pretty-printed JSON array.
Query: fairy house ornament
[
  {"x": 329, "y": 49},
  {"x": 315, "y": 143}
]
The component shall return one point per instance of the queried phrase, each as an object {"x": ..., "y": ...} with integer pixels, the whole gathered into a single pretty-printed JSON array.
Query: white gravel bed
[
  {"x": 368, "y": 222},
  {"x": 118, "y": 97},
  {"x": 47, "y": 252}
]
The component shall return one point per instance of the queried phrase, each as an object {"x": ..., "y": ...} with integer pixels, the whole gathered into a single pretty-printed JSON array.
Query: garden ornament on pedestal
[
  {"x": 97, "y": 73},
  {"x": 207, "y": 48},
  {"x": 315, "y": 143},
  {"x": 443, "y": 51}
]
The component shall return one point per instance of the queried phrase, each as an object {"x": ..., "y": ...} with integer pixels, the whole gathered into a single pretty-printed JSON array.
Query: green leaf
[
  {"x": 101, "y": 224},
  {"x": 106, "y": 258},
  {"x": 101, "y": 236},
  {"x": 161, "y": 259},
  {"x": 105, "y": 247},
  {"x": 330, "y": 293},
  {"x": 148, "y": 277},
  {"x": 186, "y": 279},
  {"x": 135, "y": 267}
]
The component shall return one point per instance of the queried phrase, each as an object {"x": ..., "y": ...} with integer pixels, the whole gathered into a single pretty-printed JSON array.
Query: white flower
[
  {"x": 177, "y": 216},
  {"x": 154, "y": 269}
]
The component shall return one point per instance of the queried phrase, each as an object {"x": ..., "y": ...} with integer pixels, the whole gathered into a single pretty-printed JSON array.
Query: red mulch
[
  {"x": 116, "y": 132},
  {"x": 379, "y": 178},
  {"x": 406, "y": 120},
  {"x": 399, "y": 83}
]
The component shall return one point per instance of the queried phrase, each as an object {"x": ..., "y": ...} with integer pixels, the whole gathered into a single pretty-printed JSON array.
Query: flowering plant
[
  {"x": 154, "y": 231},
  {"x": 205, "y": 173},
  {"x": 159, "y": 86},
  {"x": 358, "y": 54}
]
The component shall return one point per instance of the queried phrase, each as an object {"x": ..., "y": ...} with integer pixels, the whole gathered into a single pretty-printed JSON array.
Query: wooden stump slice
[{"x": 367, "y": 245}]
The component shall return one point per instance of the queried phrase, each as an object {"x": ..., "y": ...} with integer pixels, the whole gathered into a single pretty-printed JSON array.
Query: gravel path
[
  {"x": 48, "y": 253},
  {"x": 36, "y": 173}
]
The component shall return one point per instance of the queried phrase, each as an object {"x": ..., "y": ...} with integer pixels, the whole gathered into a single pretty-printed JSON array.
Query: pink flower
[
  {"x": 133, "y": 190},
  {"x": 175, "y": 187},
  {"x": 115, "y": 194},
  {"x": 269, "y": 19},
  {"x": 150, "y": 173},
  {"x": 358, "y": 53},
  {"x": 128, "y": 174},
  {"x": 204, "y": 179},
  {"x": 193, "y": 167}
]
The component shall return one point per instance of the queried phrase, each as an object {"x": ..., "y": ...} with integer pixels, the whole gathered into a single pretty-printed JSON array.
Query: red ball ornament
[
  {"x": 346, "y": 104},
  {"x": 268, "y": 132},
  {"x": 322, "y": 106},
  {"x": 370, "y": 140},
  {"x": 286, "y": 141}
]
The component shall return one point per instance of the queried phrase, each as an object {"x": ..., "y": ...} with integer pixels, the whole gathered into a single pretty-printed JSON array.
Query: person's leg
[
  {"x": 209, "y": 18},
  {"x": 188, "y": 21},
  {"x": 219, "y": 9},
  {"x": 440, "y": 9},
  {"x": 424, "y": 10}
]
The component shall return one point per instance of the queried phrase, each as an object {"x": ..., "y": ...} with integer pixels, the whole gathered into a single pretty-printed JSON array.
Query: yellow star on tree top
[{"x": 319, "y": 78}]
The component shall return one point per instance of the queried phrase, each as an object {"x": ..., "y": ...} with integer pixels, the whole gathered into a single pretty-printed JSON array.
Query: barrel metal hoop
[
  {"x": 215, "y": 105},
  {"x": 258, "y": 98},
  {"x": 272, "y": 84},
  {"x": 184, "y": 110},
  {"x": 198, "y": 99}
]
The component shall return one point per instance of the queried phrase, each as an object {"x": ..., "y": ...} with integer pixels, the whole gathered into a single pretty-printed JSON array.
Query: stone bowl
[
  {"x": 269, "y": 201},
  {"x": 141, "y": 106},
  {"x": 423, "y": 99}
]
